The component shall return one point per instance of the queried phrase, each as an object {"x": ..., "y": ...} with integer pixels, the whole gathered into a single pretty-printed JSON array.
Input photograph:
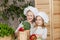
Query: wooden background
[
  {"x": 56, "y": 19},
  {"x": 52, "y": 8}
]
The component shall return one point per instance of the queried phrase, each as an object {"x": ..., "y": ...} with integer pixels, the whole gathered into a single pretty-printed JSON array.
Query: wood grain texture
[
  {"x": 43, "y": 5},
  {"x": 56, "y": 19}
]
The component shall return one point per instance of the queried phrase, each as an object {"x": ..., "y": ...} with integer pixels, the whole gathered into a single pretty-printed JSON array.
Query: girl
[
  {"x": 40, "y": 30},
  {"x": 29, "y": 12}
]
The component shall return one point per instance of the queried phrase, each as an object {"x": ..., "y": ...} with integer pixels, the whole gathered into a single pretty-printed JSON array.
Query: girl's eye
[
  {"x": 27, "y": 15},
  {"x": 39, "y": 19},
  {"x": 31, "y": 15}
]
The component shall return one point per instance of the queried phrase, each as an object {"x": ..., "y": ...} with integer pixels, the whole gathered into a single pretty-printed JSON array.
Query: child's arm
[
  {"x": 16, "y": 32},
  {"x": 44, "y": 35},
  {"x": 20, "y": 25}
]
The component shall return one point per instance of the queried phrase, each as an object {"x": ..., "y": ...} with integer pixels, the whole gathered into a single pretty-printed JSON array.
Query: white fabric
[
  {"x": 20, "y": 25},
  {"x": 31, "y": 29},
  {"x": 44, "y": 16},
  {"x": 40, "y": 31},
  {"x": 33, "y": 9},
  {"x": 44, "y": 35}
]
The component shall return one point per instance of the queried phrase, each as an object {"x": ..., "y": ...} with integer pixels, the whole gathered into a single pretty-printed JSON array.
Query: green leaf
[
  {"x": 26, "y": 25},
  {"x": 21, "y": 0},
  {"x": 5, "y": 30},
  {"x": 10, "y": 10},
  {"x": 5, "y": 1}
]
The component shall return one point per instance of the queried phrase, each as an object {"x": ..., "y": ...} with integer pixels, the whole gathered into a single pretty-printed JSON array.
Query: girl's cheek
[{"x": 40, "y": 21}]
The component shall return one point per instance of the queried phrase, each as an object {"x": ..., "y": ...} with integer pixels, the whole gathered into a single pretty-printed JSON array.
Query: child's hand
[
  {"x": 39, "y": 37},
  {"x": 21, "y": 29},
  {"x": 33, "y": 37}
]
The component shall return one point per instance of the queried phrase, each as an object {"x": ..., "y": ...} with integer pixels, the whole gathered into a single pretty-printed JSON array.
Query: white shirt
[
  {"x": 40, "y": 30},
  {"x": 21, "y": 25}
]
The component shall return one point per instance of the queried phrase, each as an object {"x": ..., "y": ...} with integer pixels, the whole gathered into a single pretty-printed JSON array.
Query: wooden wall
[
  {"x": 56, "y": 19},
  {"x": 52, "y": 8}
]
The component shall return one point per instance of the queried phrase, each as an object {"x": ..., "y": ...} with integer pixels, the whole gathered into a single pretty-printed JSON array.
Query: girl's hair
[
  {"x": 43, "y": 26},
  {"x": 28, "y": 11}
]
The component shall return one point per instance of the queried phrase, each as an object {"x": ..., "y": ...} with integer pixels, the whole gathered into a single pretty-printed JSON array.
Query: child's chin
[{"x": 39, "y": 25}]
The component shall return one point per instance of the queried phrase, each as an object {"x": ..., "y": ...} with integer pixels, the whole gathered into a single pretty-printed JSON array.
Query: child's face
[
  {"x": 30, "y": 16},
  {"x": 39, "y": 21}
]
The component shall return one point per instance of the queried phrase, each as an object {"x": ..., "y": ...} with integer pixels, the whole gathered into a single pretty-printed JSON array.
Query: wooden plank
[
  {"x": 57, "y": 13},
  {"x": 56, "y": 0},
  {"x": 56, "y": 3},
  {"x": 45, "y": 10},
  {"x": 56, "y": 9},
  {"x": 48, "y": 38},
  {"x": 41, "y": 2},
  {"x": 56, "y": 19},
  {"x": 56, "y": 30},
  {"x": 43, "y": 6},
  {"x": 56, "y": 26},
  {"x": 56, "y": 33}
]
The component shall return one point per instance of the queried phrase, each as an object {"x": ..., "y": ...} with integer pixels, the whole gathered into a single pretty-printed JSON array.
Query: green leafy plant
[
  {"x": 21, "y": 0},
  {"x": 14, "y": 10},
  {"x": 5, "y": 1},
  {"x": 5, "y": 30},
  {"x": 26, "y": 25}
]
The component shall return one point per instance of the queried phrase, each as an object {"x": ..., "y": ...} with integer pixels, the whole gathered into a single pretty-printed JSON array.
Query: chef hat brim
[
  {"x": 44, "y": 16},
  {"x": 33, "y": 9}
]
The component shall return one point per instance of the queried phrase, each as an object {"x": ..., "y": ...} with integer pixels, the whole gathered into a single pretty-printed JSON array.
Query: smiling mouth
[{"x": 30, "y": 18}]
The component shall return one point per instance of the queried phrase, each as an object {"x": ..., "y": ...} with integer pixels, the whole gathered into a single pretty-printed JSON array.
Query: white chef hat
[
  {"x": 33, "y": 9},
  {"x": 44, "y": 16}
]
